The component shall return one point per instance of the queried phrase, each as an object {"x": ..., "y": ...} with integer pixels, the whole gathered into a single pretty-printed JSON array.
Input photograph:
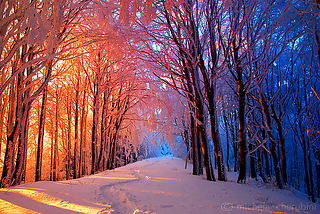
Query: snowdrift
[{"x": 158, "y": 185}]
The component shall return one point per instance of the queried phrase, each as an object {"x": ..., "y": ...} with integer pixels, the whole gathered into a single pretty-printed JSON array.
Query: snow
[{"x": 158, "y": 185}]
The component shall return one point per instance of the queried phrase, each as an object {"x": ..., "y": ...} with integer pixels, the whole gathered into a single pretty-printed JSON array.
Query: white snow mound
[{"x": 158, "y": 185}]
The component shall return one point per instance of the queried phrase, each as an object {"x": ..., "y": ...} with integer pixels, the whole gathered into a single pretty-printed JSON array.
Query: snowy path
[{"x": 160, "y": 185}]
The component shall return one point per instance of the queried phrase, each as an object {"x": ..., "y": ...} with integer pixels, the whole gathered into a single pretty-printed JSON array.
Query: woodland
[{"x": 91, "y": 85}]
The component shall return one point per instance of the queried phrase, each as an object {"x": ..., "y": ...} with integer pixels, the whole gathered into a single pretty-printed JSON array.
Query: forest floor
[{"x": 158, "y": 185}]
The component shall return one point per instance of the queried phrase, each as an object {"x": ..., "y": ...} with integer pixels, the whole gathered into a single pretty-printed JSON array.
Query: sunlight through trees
[{"x": 91, "y": 85}]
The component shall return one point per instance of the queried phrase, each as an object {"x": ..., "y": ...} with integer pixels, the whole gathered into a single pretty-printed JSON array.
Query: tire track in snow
[{"x": 122, "y": 201}]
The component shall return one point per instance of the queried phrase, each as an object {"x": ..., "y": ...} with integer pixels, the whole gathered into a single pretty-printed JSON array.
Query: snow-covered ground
[{"x": 159, "y": 185}]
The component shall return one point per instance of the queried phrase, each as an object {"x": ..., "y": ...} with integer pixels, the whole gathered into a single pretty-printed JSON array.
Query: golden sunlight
[
  {"x": 10, "y": 208},
  {"x": 48, "y": 200}
]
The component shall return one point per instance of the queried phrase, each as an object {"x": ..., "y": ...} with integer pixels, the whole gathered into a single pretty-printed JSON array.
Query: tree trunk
[
  {"x": 117, "y": 126},
  {"x": 42, "y": 120},
  {"x": 317, "y": 155},
  {"x": 266, "y": 155},
  {"x": 210, "y": 87},
  {"x": 305, "y": 160},
  {"x": 312, "y": 194},
  {"x": 200, "y": 154},
  {"x": 199, "y": 103},
  {"x": 260, "y": 166},
  {"x": 235, "y": 147},
  {"x": 318, "y": 179},
  {"x": 252, "y": 163},
  {"x": 203, "y": 139},
  {"x": 308, "y": 115},
  {"x": 282, "y": 147},
  {"x": 83, "y": 134},
  {"x": 227, "y": 139},
  {"x": 198, "y": 63},
  {"x": 295, "y": 169},
  {"x": 76, "y": 143},
  {"x": 94, "y": 162},
  {"x": 273, "y": 146},
  {"x": 242, "y": 131},
  {"x": 196, "y": 158},
  {"x": 3, "y": 106},
  {"x": 68, "y": 168},
  {"x": 15, "y": 114},
  {"x": 275, "y": 159},
  {"x": 21, "y": 160},
  {"x": 56, "y": 137},
  {"x": 217, "y": 142},
  {"x": 113, "y": 151},
  {"x": 102, "y": 156},
  {"x": 51, "y": 153},
  {"x": 194, "y": 145}
]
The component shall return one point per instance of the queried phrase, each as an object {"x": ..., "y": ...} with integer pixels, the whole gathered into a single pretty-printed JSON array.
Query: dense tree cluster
[
  {"x": 249, "y": 72},
  {"x": 90, "y": 85}
]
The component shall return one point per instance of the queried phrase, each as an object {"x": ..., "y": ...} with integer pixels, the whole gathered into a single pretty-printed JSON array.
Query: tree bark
[
  {"x": 227, "y": 139},
  {"x": 282, "y": 146},
  {"x": 260, "y": 166},
  {"x": 51, "y": 152},
  {"x": 196, "y": 158},
  {"x": 68, "y": 168},
  {"x": 312, "y": 194},
  {"x": 204, "y": 141},
  {"x": 112, "y": 159},
  {"x": 305, "y": 158},
  {"x": 318, "y": 174},
  {"x": 83, "y": 135},
  {"x": 21, "y": 160},
  {"x": 273, "y": 146},
  {"x": 252, "y": 163},
  {"x": 15, "y": 114},
  {"x": 102, "y": 156},
  {"x": 76, "y": 143},
  {"x": 3, "y": 107},
  {"x": 194, "y": 145},
  {"x": 216, "y": 140},
  {"x": 242, "y": 130},
  {"x": 307, "y": 162},
  {"x": 200, "y": 154},
  {"x": 266, "y": 155},
  {"x": 56, "y": 137},
  {"x": 113, "y": 151},
  {"x": 41, "y": 135},
  {"x": 235, "y": 145},
  {"x": 94, "y": 162}
]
